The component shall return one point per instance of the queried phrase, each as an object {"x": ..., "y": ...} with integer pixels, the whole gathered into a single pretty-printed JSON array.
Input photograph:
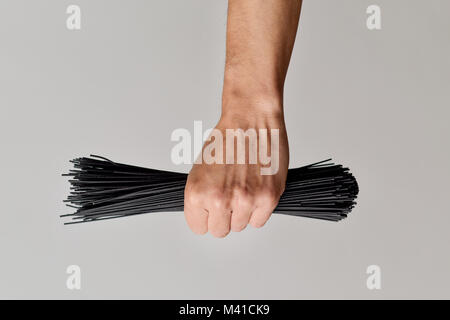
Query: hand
[{"x": 220, "y": 197}]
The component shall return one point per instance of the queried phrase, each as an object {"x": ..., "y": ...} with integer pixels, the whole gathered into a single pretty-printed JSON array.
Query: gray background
[{"x": 376, "y": 101}]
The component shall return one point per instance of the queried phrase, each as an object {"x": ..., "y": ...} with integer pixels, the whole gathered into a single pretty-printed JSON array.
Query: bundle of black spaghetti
[{"x": 102, "y": 189}]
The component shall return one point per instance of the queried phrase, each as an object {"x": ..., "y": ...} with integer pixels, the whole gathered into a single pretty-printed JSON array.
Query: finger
[
  {"x": 240, "y": 217},
  {"x": 265, "y": 204},
  {"x": 219, "y": 222},
  {"x": 260, "y": 216},
  {"x": 197, "y": 219}
]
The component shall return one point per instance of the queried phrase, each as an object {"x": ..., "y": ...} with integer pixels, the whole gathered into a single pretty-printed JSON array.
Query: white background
[{"x": 376, "y": 101}]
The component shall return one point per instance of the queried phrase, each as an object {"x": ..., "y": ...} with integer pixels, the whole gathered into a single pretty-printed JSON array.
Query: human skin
[{"x": 223, "y": 197}]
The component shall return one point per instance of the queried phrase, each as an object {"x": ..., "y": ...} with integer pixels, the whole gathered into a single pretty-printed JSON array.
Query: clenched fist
[{"x": 220, "y": 197}]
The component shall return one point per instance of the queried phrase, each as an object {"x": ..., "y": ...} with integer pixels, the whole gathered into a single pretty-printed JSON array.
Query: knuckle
[
  {"x": 239, "y": 191},
  {"x": 193, "y": 196},
  {"x": 242, "y": 197},
  {"x": 217, "y": 199},
  {"x": 269, "y": 197}
]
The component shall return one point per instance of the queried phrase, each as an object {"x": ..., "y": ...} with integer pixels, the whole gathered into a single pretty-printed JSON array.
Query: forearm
[
  {"x": 260, "y": 38},
  {"x": 219, "y": 198}
]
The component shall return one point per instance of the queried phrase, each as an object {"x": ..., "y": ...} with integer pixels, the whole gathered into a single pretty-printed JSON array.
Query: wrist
[{"x": 248, "y": 95}]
